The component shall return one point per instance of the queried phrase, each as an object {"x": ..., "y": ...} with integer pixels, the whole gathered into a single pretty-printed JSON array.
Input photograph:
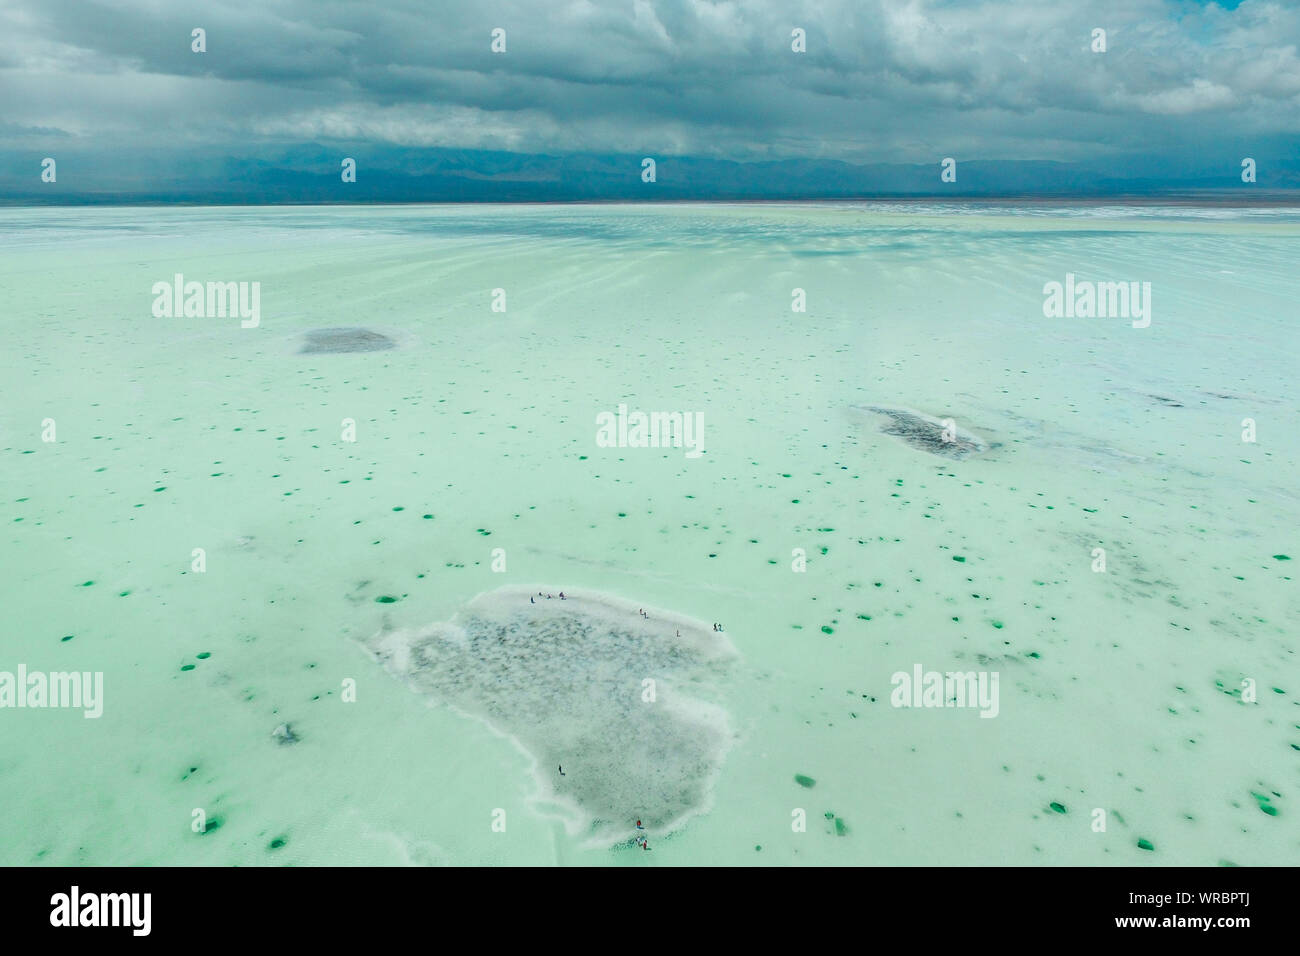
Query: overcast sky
[{"x": 881, "y": 81}]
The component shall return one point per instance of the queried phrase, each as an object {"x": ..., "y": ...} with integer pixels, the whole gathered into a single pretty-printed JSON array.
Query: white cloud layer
[{"x": 882, "y": 80}]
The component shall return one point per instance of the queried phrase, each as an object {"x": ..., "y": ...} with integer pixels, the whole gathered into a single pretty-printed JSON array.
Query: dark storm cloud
[{"x": 882, "y": 81}]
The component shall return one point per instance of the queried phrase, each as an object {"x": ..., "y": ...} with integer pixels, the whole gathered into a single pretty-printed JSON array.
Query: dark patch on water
[
  {"x": 1264, "y": 803},
  {"x": 928, "y": 434},
  {"x": 345, "y": 340},
  {"x": 1167, "y": 402},
  {"x": 284, "y": 735}
]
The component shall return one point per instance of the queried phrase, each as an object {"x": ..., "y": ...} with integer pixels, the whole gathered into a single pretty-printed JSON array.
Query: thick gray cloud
[{"x": 881, "y": 81}]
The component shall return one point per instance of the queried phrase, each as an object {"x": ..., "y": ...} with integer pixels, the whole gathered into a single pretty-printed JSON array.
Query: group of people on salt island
[
  {"x": 642, "y": 611},
  {"x": 640, "y": 839}
]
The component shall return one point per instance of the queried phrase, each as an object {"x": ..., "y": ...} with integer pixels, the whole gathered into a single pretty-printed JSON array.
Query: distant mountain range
[{"x": 312, "y": 174}]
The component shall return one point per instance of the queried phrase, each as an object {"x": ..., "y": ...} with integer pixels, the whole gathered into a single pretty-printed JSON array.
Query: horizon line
[{"x": 1277, "y": 198}]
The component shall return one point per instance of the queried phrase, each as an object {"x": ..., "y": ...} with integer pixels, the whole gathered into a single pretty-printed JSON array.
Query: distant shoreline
[{"x": 1224, "y": 199}]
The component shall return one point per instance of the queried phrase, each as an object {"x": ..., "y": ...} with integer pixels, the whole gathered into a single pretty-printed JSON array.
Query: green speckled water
[{"x": 1157, "y": 698}]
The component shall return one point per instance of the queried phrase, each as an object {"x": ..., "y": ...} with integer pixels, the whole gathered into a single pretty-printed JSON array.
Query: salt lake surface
[{"x": 306, "y": 553}]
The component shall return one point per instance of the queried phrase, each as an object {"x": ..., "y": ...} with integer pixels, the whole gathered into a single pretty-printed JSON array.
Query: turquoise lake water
[{"x": 302, "y": 562}]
